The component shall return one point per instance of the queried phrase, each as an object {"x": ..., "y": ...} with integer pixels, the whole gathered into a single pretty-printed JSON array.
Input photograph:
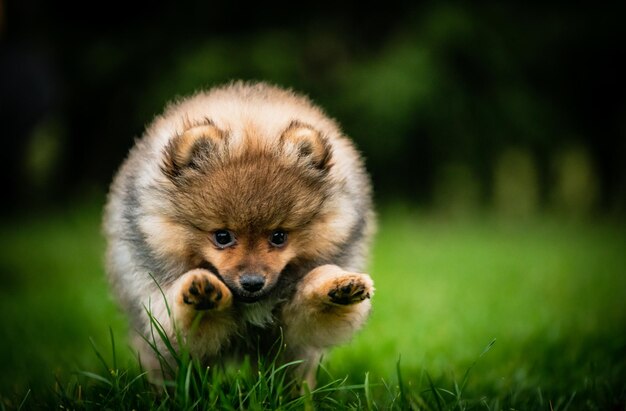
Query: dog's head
[{"x": 247, "y": 207}]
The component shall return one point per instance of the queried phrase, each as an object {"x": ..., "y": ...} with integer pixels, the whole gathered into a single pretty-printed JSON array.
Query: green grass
[{"x": 550, "y": 292}]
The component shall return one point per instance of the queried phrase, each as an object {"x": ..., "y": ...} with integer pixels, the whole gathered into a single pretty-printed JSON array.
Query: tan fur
[
  {"x": 252, "y": 160},
  {"x": 182, "y": 146}
]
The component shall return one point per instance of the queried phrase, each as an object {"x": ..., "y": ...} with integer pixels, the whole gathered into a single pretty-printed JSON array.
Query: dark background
[{"x": 514, "y": 108}]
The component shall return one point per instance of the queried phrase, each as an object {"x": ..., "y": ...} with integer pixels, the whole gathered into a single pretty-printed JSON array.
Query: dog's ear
[
  {"x": 191, "y": 148},
  {"x": 308, "y": 143}
]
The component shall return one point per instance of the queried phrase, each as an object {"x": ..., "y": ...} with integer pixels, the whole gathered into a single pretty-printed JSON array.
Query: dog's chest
[{"x": 260, "y": 314}]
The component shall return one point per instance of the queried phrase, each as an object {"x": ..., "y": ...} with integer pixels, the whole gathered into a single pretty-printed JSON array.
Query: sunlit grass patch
[{"x": 552, "y": 292}]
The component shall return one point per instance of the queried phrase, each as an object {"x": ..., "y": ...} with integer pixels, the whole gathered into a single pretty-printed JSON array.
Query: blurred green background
[
  {"x": 495, "y": 135},
  {"x": 514, "y": 107}
]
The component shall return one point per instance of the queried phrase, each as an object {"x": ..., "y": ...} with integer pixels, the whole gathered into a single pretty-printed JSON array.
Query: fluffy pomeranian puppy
[{"x": 242, "y": 216}]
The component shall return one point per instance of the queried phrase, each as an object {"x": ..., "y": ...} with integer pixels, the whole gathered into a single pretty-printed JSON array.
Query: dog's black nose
[{"x": 252, "y": 282}]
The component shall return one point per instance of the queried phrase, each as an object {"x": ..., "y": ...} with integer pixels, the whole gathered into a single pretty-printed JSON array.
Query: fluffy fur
[{"x": 248, "y": 160}]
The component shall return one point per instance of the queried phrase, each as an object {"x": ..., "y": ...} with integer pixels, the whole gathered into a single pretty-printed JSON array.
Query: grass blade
[
  {"x": 96, "y": 377},
  {"x": 435, "y": 392},
  {"x": 459, "y": 390},
  {"x": 107, "y": 369},
  {"x": 23, "y": 401},
  {"x": 113, "y": 348},
  {"x": 368, "y": 392}
]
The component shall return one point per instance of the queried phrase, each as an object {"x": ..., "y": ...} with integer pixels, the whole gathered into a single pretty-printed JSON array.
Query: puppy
[{"x": 242, "y": 216}]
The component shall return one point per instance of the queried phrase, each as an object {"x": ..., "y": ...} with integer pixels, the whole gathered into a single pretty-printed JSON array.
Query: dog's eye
[
  {"x": 278, "y": 238},
  {"x": 223, "y": 238}
]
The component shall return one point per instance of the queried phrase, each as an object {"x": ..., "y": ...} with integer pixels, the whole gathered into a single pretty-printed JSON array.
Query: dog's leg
[
  {"x": 197, "y": 314},
  {"x": 202, "y": 312},
  {"x": 329, "y": 306}
]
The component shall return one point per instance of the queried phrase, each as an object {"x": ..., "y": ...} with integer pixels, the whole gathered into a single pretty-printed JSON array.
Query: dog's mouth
[{"x": 248, "y": 298}]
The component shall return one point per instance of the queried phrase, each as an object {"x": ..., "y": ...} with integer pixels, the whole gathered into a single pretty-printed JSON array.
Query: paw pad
[
  {"x": 202, "y": 294},
  {"x": 349, "y": 291}
]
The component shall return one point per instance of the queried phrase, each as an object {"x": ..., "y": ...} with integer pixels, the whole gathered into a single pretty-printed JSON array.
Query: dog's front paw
[
  {"x": 350, "y": 289},
  {"x": 202, "y": 290}
]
